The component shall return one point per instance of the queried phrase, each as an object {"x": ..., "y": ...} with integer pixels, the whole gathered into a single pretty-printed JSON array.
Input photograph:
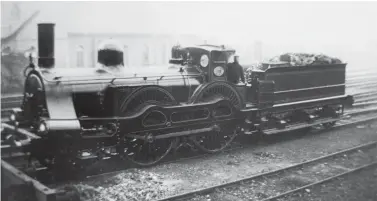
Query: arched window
[{"x": 80, "y": 56}]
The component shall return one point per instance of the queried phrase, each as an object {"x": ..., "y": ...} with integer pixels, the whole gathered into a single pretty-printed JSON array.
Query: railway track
[
  {"x": 251, "y": 188},
  {"x": 234, "y": 147},
  {"x": 40, "y": 174},
  {"x": 99, "y": 177}
]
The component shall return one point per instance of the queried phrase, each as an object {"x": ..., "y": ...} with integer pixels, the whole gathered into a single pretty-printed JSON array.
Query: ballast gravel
[{"x": 179, "y": 177}]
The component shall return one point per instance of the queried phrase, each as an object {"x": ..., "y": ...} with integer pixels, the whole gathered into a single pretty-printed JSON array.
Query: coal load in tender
[{"x": 304, "y": 59}]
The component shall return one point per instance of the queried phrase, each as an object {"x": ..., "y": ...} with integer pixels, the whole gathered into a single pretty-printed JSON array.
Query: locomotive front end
[
  {"x": 89, "y": 114},
  {"x": 34, "y": 106},
  {"x": 45, "y": 100}
]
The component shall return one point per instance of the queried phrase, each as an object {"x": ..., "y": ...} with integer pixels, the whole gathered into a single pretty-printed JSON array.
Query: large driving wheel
[
  {"x": 225, "y": 132},
  {"x": 147, "y": 152}
]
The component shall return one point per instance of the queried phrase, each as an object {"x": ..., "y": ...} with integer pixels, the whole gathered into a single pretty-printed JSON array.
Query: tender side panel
[
  {"x": 283, "y": 107},
  {"x": 307, "y": 82},
  {"x": 262, "y": 93}
]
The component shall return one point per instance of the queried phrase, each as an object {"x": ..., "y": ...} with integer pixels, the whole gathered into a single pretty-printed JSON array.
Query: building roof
[{"x": 125, "y": 34}]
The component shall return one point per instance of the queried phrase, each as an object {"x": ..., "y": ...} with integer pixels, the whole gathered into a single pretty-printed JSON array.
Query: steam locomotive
[{"x": 89, "y": 114}]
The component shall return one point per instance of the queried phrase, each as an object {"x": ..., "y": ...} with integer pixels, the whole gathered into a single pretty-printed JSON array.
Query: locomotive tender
[{"x": 88, "y": 114}]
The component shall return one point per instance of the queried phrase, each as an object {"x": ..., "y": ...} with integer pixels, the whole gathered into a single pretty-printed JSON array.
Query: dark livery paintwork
[{"x": 92, "y": 113}]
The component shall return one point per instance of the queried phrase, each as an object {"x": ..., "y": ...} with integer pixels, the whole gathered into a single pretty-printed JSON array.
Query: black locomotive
[{"x": 89, "y": 114}]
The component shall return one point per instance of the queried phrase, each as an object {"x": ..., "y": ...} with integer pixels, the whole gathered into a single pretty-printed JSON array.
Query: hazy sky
[
  {"x": 273, "y": 21},
  {"x": 297, "y": 26}
]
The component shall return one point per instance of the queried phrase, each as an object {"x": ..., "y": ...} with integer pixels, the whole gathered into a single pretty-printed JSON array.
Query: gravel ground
[
  {"x": 360, "y": 186},
  {"x": 256, "y": 189},
  {"x": 188, "y": 175}
]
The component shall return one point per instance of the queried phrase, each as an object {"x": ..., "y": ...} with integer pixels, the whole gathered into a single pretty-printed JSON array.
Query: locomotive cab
[{"x": 209, "y": 60}]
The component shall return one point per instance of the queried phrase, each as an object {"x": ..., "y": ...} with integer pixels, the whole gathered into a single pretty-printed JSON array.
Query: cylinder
[{"x": 46, "y": 40}]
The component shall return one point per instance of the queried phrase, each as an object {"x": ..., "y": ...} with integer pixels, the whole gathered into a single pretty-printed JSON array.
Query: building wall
[
  {"x": 139, "y": 49},
  {"x": 68, "y": 41}
]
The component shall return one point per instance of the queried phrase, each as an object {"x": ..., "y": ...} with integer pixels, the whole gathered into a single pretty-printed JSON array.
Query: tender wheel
[
  {"x": 329, "y": 112},
  {"x": 329, "y": 124},
  {"x": 147, "y": 152},
  {"x": 225, "y": 133}
]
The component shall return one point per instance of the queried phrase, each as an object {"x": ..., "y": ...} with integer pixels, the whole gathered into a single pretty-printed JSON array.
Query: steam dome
[{"x": 110, "y": 53}]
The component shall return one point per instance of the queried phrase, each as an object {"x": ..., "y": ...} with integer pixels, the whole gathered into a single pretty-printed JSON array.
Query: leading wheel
[
  {"x": 225, "y": 132},
  {"x": 147, "y": 152}
]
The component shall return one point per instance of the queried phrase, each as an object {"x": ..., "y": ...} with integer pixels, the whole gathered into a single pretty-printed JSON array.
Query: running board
[{"x": 300, "y": 126}]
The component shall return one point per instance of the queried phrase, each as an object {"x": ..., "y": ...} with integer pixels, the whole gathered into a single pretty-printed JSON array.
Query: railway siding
[
  {"x": 282, "y": 182},
  {"x": 189, "y": 175},
  {"x": 360, "y": 186}
]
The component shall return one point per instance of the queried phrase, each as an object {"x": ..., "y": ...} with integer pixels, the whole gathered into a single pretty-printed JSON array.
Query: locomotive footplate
[{"x": 193, "y": 118}]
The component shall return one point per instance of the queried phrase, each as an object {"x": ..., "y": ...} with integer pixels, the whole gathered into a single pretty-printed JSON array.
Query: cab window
[{"x": 221, "y": 56}]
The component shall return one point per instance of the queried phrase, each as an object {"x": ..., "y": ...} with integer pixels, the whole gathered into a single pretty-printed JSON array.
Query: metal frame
[{"x": 12, "y": 177}]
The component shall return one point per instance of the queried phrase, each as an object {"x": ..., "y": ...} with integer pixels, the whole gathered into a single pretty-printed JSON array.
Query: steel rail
[
  {"x": 365, "y": 103},
  {"x": 239, "y": 181},
  {"x": 368, "y": 98},
  {"x": 320, "y": 182},
  {"x": 204, "y": 155},
  {"x": 229, "y": 149}
]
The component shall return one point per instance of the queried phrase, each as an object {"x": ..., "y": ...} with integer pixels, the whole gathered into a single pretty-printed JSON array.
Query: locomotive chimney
[{"x": 46, "y": 40}]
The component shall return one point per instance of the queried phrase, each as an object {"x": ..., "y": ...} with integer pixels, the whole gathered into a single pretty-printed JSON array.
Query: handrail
[{"x": 111, "y": 80}]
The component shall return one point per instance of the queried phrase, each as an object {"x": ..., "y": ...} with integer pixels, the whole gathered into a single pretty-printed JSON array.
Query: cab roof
[{"x": 211, "y": 48}]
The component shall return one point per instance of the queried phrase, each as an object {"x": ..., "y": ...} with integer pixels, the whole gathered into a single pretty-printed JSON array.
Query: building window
[{"x": 80, "y": 56}]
